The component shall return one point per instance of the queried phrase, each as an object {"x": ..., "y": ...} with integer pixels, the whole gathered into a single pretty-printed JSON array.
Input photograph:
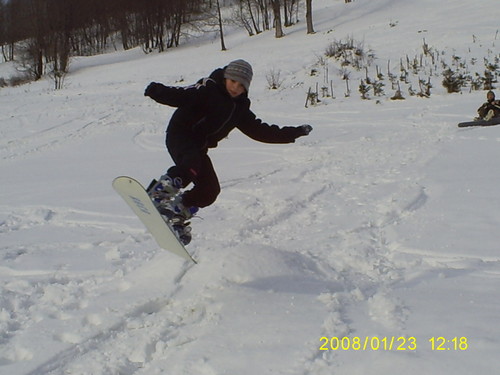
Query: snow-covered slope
[{"x": 378, "y": 228}]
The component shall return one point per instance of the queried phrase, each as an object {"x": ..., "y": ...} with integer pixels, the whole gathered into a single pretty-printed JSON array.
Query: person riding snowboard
[
  {"x": 206, "y": 113},
  {"x": 490, "y": 109}
]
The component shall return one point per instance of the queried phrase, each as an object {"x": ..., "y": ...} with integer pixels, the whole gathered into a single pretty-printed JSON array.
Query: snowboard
[
  {"x": 134, "y": 194},
  {"x": 493, "y": 121}
]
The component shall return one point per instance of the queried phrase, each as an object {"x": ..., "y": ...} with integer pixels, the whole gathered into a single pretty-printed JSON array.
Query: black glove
[
  {"x": 153, "y": 89},
  {"x": 303, "y": 130}
]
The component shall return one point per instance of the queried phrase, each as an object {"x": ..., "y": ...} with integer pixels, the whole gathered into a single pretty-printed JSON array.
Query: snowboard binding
[{"x": 164, "y": 189}]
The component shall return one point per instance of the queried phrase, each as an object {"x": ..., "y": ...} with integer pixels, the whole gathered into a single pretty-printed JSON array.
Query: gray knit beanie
[{"x": 240, "y": 71}]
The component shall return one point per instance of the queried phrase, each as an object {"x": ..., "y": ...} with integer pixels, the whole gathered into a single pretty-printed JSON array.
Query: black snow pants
[{"x": 192, "y": 164}]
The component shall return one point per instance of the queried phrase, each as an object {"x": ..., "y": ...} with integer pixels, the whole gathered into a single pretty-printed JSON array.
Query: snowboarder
[
  {"x": 206, "y": 112},
  {"x": 490, "y": 109}
]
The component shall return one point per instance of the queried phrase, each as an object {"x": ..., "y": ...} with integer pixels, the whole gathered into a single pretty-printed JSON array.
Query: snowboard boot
[
  {"x": 177, "y": 216},
  {"x": 183, "y": 232},
  {"x": 489, "y": 115},
  {"x": 174, "y": 209},
  {"x": 163, "y": 190}
]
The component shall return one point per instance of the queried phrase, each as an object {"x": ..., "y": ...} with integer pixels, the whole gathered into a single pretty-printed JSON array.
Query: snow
[{"x": 381, "y": 224}]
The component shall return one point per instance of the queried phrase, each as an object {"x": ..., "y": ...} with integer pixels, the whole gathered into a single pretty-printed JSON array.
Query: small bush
[
  {"x": 349, "y": 53},
  {"x": 453, "y": 81},
  {"x": 273, "y": 79}
]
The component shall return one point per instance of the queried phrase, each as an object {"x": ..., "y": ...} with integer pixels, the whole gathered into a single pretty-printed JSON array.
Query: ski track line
[
  {"x": 127, "y": 346},
  {"x": 149, "y": 140},
  {"x": 51, "y": 137},
  {"x": 33, "y": 216}
]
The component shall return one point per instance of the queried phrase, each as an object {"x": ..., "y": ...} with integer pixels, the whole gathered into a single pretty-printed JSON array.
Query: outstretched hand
[
  {"x": 304, "y": 130},
  {"x": 152, "y": 89}
]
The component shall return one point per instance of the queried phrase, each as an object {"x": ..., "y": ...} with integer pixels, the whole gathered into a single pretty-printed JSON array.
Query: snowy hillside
[{"x": 379, "y": 228}]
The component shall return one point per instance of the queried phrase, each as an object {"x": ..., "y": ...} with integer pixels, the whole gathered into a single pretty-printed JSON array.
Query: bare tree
[
  {"x": 254, "y": 23},
  {"x": 278, "y": 33},
  {"x": 6, "y": 40},
  {"x": 262, "y": 7},
  {"x": 221, "y": 31},
  {"x": 289, "y": 8},
  {"x": 310, "y": 28},
  {"x": 62, "y": 21},
  {"x": 36, "y": 46},
  {"x": 248, "y": 17}
]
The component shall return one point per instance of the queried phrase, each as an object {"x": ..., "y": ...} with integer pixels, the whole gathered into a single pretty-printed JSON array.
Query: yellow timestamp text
[
  {"x": 390, "y": 343},
  {"x": 454, "y": 343}
]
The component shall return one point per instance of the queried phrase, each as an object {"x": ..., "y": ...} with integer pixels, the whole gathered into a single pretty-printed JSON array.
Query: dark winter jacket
[
  {"x": 206, "y": 113},
  {"x": 489, "y": 105}
]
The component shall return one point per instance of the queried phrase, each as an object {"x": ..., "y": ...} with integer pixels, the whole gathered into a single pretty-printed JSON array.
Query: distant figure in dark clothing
[{"x": 490, "y": 109}]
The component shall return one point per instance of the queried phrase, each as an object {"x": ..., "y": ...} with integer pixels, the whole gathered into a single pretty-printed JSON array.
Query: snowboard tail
[{"x": 134, "y": 194}]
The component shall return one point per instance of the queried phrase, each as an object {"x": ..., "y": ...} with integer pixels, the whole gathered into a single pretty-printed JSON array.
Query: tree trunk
[
  {"x": 310, "y": 28},
  {"x": 277, "y": 19},
  {"x": 223, "y": 46},
  {"x": 255, "y": 26}
]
